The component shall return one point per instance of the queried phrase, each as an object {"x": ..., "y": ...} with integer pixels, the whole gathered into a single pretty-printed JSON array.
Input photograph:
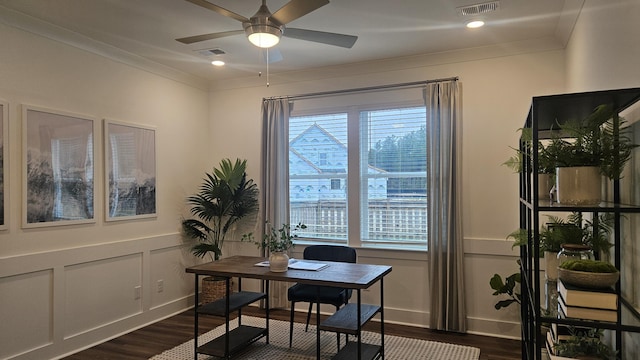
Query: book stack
[{"x": 588, "y": 304}]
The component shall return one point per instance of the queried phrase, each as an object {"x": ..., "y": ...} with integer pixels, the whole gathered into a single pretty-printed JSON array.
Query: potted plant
[
  {"x": 225, "y": 198},
  {"x": 586, "y": 149},
  {"x": 277, "y": 242},
  {"x": 546, "y": 167},
  {"x": 586, "y": 344},
  {"x": 574, "y": 230}
]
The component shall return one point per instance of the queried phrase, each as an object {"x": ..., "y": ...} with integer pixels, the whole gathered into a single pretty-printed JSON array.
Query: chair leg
[
  {"x": 308, "y": 316},
  {"x": 338, "y": 334},
  {"x": 293, "y": 306}
]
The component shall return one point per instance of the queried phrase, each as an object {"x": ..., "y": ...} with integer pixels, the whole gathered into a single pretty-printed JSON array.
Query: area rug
[{"x": 304, "y": 345}]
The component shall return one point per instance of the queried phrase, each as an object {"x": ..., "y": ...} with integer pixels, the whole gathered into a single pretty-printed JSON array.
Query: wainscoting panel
[
  {"x": 101, "y": 292},
  {"x": 26, "y": 305},
  {"x": 169, "y": 280}
]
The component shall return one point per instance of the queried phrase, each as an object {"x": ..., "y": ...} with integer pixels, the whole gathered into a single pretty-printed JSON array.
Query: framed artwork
[
  {"x": 4, "y": 160},
  {"x": 130, "y": 170},
  {"x": 58, "y": 167}
]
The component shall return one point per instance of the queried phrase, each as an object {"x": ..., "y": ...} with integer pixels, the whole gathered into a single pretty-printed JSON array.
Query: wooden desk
[{"x": 338, "y": 274}]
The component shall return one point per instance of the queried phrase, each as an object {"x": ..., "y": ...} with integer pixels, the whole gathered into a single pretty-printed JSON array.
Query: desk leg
[
  {"x": 195, "y": 320},
  {"x": 226, "y": 318},
  {"x": 267, "y": 308},
  {"x": 382, "y": 317},
  {"x": 318, "y": 322},
  {"x": 359, "y": 324}
]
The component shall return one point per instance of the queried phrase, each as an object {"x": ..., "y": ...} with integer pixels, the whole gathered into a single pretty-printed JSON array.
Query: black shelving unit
[
  {"x": 349, "y": 320},
  {"x": 545, "y": 113},
  {"x": 232, "y": 341}
]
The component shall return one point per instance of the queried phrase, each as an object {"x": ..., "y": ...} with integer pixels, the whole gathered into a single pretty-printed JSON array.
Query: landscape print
[
  {"x": 59, "y": 167},
  {"x": 130, "y": 170}
]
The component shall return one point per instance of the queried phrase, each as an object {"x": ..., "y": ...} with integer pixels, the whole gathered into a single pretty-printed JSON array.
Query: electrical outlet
[
  {"x": 137, "y": 292},
  {"x": 160, "y": 285}
]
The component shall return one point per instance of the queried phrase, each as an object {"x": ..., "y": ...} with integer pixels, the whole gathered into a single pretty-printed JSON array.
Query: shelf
[
  {"x": 546, "y": 115},
  {"x": 239, "y": 338},
  {"x": 602, "y": 207},
  {"x": 345, "y": 319},
  {"x": 236, "y": 301},
  {"x": 350, "y": 352}
]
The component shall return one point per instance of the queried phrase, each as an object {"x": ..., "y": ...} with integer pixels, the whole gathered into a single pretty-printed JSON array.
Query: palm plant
[{"x": 226, "y": 196}]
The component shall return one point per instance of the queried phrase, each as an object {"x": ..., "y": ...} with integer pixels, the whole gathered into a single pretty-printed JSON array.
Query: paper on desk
[{"x": 298, "y": 265}]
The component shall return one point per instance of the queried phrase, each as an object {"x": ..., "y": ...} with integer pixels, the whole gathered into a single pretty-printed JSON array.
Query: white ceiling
[{"x": 385, "y": 29}]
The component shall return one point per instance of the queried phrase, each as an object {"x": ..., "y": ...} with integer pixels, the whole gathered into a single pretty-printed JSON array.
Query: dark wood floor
[{"x": 171, "y": 332}]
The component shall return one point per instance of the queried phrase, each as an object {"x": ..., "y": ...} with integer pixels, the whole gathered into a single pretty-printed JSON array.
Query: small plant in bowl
[
  {"x": 588, "y": 273},
  {"x": 277, "y": 242}
]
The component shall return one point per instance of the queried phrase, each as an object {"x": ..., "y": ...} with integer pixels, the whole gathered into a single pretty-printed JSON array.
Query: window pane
[
  {"x": 317, "y": 175},
  {"x": 394, "y": 158}
]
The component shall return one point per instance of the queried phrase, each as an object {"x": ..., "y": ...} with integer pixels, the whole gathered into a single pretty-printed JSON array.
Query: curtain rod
[{"x": 363, "y": 89}]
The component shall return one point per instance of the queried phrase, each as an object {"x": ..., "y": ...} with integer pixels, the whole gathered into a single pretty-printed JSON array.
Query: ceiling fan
[{"x": 264, "y": 29}]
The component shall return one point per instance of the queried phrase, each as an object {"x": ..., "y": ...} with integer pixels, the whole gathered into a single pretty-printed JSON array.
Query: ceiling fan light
[{"x": 263, "y": 36}]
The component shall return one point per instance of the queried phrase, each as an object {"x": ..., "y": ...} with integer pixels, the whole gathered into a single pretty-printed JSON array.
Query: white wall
[
  {"x": 63, "y": 288},
  {"x": 604, "y": 48},
  {"x": 497, "y": 91}
]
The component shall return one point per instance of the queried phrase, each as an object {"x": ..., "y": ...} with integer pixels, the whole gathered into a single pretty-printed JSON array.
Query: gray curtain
[
  {"x": 275, "y": 177},
  {"x": 444, "y": 178}
]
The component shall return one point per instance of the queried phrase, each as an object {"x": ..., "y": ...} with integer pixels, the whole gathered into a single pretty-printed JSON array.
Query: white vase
[
  {"x": 278, "y": 262},
  {"x": 551, "y": 265},
  {"x": 580, "y": 185}
]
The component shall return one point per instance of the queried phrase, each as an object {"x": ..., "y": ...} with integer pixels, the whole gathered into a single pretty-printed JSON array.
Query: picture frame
[
  {"x": 130, "y": 170},
  {"x": 58, "y": 167},
  {"x": 4, "y": 163}
]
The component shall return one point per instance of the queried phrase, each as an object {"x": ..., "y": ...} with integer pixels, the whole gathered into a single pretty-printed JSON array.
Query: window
[{"x": 358, "y": 177}]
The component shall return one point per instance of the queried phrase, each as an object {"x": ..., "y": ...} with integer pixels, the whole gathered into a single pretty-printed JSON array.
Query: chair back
[{"x": 330, "y": 253}]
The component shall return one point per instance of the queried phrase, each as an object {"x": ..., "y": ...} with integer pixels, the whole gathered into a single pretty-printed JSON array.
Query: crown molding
[{"x": 56, "y": 33}]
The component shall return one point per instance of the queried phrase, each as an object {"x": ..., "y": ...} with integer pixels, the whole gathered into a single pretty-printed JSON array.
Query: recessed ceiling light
[
  {"x": 217, "y": 62},
  {"x": 475, "y": 24}
]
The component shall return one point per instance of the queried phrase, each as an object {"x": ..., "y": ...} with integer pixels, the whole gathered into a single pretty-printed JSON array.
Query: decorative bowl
[{"x": 588, "y": 279}]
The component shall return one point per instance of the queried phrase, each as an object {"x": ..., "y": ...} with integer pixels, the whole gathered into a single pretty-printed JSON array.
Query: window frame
[{"x": 353, "y": 176}]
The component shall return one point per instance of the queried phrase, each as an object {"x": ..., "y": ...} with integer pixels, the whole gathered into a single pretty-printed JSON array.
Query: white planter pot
[
  {"x": 551, "y": 265},
  {"x": 278, "y": 262},
  {"x": 579, "y": 185}
]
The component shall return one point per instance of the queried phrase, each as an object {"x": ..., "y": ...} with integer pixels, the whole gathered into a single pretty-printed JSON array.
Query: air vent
[
  {"x": 478, "y": 9},
  {"x": 211, "y": 52}
]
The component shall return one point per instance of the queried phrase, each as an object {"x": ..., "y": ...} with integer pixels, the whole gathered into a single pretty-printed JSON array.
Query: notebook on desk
[{"x": 295, "y": 264}]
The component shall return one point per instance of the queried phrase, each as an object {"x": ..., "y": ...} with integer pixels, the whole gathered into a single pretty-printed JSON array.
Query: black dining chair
[{"x": 328, "y": 295}]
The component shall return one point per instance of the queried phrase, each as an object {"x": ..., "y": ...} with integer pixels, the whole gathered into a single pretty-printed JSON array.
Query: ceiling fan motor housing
[{"x": 261, "y": 23}]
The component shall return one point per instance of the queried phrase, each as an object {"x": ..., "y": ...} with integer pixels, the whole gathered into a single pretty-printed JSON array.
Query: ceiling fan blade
[
  {"x": 295, "y": 9},
  {"x": 342, "y": 40},
  {"x": 219, "y": 10},
  {"x": 204, "y": 37}
]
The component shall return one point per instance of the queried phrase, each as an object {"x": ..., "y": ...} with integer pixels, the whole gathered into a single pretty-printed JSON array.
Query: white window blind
[
  {"x": 393, "y": 167},
  {"x": 317, "y": 158},
  {"x": 390, "y": 203}
]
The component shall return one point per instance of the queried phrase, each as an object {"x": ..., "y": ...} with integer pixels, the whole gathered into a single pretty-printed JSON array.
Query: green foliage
[
  {"x": 510, "y": 287},
  {"x": 226, "y": 196},
  {"x": 584, "y": 343},
  {"x": 411, "y": 149},
  {"x": 601, "y": 139},
  {"x": 545, "y": 162},
  {"x": 574, "y": 230},
  {"x": 277, "y": 240},
  {"x": 587, "y": 265}
]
